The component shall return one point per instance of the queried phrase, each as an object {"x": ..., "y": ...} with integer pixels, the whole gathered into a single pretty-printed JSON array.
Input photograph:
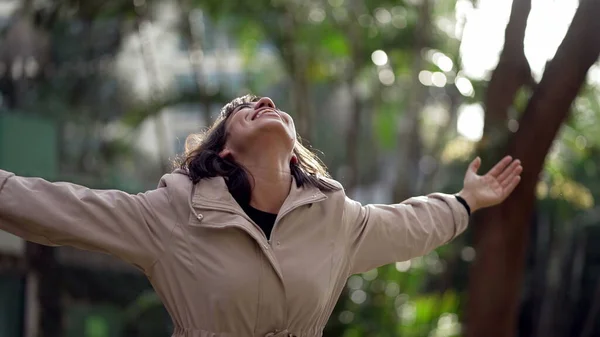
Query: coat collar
[
  {"x": 214, "y": 191},
  {"x": 213, "y": 194}
]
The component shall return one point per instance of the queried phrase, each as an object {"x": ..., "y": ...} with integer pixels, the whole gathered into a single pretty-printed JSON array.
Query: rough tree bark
[{"x": 501, "y": 233}]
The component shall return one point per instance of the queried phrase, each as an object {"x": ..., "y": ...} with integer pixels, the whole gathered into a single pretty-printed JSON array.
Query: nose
[{"x": 264, "y": 102}]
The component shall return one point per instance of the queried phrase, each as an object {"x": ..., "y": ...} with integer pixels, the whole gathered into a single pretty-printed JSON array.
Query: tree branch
[{"x": 511, "y": 73}]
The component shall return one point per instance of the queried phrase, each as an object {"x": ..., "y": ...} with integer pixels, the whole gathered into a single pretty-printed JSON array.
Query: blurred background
[{"x": 399, "y": 95}]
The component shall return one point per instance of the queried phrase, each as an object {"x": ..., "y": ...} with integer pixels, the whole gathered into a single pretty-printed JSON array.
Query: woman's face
[{"x": 257, "y": 124}]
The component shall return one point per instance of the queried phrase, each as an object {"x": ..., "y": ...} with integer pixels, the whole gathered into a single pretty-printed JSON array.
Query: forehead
[{"x": 230, "y": 107}]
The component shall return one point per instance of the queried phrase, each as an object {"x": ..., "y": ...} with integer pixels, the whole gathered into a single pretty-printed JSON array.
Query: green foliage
[
  {"x": 335, "y": 43},
  {"x": 385, "y": 127},
  {"x": 94, "y": 321}
]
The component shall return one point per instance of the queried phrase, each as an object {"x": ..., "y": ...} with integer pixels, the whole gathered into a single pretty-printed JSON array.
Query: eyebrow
[{"x": 239, "y": 107}]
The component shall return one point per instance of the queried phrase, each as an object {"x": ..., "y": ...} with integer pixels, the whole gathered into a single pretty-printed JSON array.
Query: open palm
[{"x": 493, "y": 187}]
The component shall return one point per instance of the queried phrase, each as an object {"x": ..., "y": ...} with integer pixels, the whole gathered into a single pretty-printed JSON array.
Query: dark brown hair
[{"x": 201, "y": 159}]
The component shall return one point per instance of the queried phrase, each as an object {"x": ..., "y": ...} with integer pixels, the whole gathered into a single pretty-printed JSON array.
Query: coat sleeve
[
  {"x": 130, "y": 227},
  {"x": 383, "y": 234}
]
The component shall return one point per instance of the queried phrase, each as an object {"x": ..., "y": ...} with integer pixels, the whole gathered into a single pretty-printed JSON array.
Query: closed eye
[
  {"x": 242, "y": 106},
  {"x": 238, "y": 108}
]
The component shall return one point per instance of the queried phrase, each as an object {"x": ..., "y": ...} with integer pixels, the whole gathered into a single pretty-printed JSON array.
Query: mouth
[{"x": 262, "y": 112}]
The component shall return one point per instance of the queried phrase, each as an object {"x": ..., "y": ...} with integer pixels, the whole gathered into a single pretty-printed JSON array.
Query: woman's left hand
[{"x": 493, "y": 187}]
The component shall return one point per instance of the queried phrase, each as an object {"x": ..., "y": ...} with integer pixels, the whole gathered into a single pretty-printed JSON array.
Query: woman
[{"x": 248, "y": 237}]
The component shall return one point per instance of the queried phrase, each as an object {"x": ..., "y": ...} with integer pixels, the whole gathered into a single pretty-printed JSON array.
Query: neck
[{"x": 270, "y": 178}]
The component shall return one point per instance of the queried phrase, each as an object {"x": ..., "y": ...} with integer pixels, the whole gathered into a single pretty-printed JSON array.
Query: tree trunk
[
  {"x": 296, "y": 57},
  {"x": 448, "y": 130},
  {"x": 44, "y": 313},
  {"x": 501, "y": 233},
  {"x": 352, "y": 140},
  {"x": 300, "y": 91},
  {"x": 511, "y": 73},
  {"x": 592, "y": 318},
  {"x": 558, "y": 270},
  {"x": 409, "y": 133},
  {"x": 195, "y": 55},
  {"x": 353, "y": 134},
  {"x": 155, "y": 87},
  {"x": 301, "y": 94},
  {"x": 541, "y": 251}
]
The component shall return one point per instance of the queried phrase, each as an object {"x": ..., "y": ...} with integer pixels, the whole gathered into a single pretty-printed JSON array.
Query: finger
[
  {"x": 475, "y": 164},
  {"x": 511, "y": 187},
  {"x": 508, "y": 180},
  {"x": 509, "y": 171},
  {"x": 498, "y": 168}
]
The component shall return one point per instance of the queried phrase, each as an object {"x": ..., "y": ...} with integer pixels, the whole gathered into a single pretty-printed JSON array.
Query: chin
[
  {"x": 275, "y": 125},
  {"x": 277, "y": 132}
]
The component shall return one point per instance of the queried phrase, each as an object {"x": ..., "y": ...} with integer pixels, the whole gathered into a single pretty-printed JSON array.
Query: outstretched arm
[
  {"x": 131, "y": 227},
  {"x": 382, "y": 234}
]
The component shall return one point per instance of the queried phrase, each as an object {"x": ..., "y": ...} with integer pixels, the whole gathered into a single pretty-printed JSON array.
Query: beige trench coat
[{"x": 214, "y": 270}]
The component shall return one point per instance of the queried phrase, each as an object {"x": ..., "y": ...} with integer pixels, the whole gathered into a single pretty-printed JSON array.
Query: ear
[{"x": 225, "y": 153}]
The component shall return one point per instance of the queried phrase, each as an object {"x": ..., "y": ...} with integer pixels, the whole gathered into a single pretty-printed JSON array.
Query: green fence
[{"x": 28, "y": 145}]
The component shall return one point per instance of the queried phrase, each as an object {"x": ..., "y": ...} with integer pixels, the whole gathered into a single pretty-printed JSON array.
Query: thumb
[{"x": 475, "y": 164}]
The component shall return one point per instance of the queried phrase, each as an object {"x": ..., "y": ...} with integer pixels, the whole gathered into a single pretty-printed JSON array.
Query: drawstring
[{"x": 280, "y": 333}]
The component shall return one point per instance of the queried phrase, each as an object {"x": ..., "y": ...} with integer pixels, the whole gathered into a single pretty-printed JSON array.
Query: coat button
[
  {"x": 278, "y": 243},
  {"x": 200, "y": 217}
]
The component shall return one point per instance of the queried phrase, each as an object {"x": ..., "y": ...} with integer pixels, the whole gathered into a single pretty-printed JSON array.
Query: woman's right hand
[{"x": 493, "y": 187}]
